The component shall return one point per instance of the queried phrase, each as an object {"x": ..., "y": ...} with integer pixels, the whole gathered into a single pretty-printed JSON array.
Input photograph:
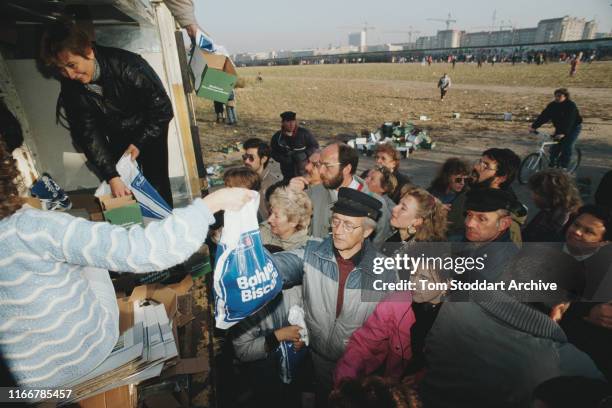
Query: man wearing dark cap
[
  {"x": 488, "y": 215},
  {"x": 487, "y": 230},
  {"x": 292, "y": 145},
  {"x": 337, "y": 278}
]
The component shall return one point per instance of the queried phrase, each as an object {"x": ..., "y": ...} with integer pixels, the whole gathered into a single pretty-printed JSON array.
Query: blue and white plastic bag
[
  {"x": 152, "y": 205},
  {"x": 244, "y": 279}
]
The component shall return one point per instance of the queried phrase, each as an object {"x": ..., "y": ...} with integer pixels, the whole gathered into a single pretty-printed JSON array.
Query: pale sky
[{"x": 251, "y": 25}]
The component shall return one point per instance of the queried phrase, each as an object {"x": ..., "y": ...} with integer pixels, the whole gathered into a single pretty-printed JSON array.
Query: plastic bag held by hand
[
  {"x": 151, "y": 203},
  {"x": 244, "y": 279},
  {"x": 296, "y": 317}
]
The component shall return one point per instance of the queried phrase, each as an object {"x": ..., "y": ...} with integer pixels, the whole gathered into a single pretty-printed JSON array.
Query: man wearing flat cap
[
  {"x": 291, "y": 146},
  {"x": 337, "y": 280},
  {"x": 488, "y": 218},
  {"x": 488, "y": 215}
]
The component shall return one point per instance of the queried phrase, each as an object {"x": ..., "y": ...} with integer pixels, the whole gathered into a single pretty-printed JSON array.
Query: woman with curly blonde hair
[
  {"x": 58, "y": 312},
  {"x": 554, "y": 192},
  {"x": 419, "y": 216},
  {"x": 287, "y": 225}
]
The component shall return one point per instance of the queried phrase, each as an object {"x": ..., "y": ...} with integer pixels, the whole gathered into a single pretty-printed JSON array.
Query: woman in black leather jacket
[{"x": 113, "y": 103}]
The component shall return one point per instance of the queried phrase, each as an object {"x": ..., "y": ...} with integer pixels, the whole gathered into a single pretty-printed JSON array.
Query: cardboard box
[
  {"x": 120, "y": 397},
  {"x": 158, "y": 293},
  {"x": 123, "y": 211},
  {"x": 215, "y": 75}
]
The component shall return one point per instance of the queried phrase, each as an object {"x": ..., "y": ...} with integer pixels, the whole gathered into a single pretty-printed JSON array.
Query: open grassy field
[{"x": 339, "y": 99}]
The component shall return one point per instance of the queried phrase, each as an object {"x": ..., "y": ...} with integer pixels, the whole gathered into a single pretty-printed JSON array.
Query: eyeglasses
[
  {"x": 248, "y": 157},
  {"x": 485, "y": 165},
  {"x": 461, "y": 179},
  {"x": 327, "y": 165},
  {"x": 336, "y": 222}
]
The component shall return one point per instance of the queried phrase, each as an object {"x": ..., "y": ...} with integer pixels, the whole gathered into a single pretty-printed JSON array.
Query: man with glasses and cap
[
  {"x": 496, "y": 169},
  {"x": 337, "y": 278},
  {"x": 257, "y": 157},
  {"x": 292, "y": 145}
]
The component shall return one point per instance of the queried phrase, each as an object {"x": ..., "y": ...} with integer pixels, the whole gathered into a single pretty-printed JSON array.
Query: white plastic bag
[
  {"x": 245, "y": 279},
  {"x": 296, "y": 317},
  {"x": 151, "y": 203}
]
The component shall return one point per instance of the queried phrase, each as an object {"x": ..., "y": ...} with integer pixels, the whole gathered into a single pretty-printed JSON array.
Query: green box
[
  {"x": 215, "y": 75},
  {"x": 125, "y": 216},
  {"x": 122, "y": 211}
]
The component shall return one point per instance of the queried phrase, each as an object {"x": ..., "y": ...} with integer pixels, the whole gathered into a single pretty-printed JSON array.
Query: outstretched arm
[{"x": 159, "y": 246}]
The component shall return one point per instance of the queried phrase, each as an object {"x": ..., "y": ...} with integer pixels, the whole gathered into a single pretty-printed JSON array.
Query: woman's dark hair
[
  {"x": 9, "y": 176},
  {"x": 60, "y": 37},
  {"x": 562, "y": 91},
  {"x": 451, "y": 166},
  {"x": 557, "y": 189}
]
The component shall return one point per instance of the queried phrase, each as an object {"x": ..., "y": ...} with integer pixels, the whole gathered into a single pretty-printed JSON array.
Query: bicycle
[{"x": 535, "y": 162}]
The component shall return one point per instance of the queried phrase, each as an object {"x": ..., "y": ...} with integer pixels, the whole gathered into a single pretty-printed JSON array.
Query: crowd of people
[
  {"x": 327, "y": 230},
  {"x": 326, "y": 226}
]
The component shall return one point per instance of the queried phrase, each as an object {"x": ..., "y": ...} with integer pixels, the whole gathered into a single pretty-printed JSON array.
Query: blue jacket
[{"x": 314, "y": 266}]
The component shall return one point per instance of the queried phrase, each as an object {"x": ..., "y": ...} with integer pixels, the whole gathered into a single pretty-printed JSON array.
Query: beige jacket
[
  {"x": 297, "y": 240},
  {"x": 182, "y": 10}
]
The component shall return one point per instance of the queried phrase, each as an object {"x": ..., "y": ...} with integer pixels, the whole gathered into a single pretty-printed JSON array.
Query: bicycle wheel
[
  {"x": 575, "y": 160},
  {"x": 530, "y": 165}
]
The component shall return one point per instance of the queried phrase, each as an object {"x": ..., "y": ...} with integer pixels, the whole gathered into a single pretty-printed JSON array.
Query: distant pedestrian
[
  {"x": 574, "y": 64},
  {"x": 454, "y": 61},
  {"x": 479, "y": 62},
  {"x": 220, "y": 111},
  {"x": 444, "y": 83},
  {"x": 232, "y": 119}
]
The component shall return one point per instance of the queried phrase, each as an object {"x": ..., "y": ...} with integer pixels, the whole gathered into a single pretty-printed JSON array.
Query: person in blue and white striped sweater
[{"x": 58, "y": 313}]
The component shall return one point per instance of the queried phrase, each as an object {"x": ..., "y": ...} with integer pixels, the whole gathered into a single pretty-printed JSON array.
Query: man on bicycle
[{"x": 565, "y": 117}]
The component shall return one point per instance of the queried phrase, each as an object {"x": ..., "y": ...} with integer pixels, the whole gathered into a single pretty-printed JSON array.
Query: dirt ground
[{"x": 340, "y": 99}]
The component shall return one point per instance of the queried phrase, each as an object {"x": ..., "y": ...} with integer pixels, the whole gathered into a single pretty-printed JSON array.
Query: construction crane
[
  {"x": 363, "y": 28},
  {"x": 364, "y": 31},
  {"x": 447, "y": 21},
  {"x": 409, "y": 32}
]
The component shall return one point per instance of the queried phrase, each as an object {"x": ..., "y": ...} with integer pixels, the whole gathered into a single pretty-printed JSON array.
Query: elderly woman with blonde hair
[{"x": 287, "y": 226}]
